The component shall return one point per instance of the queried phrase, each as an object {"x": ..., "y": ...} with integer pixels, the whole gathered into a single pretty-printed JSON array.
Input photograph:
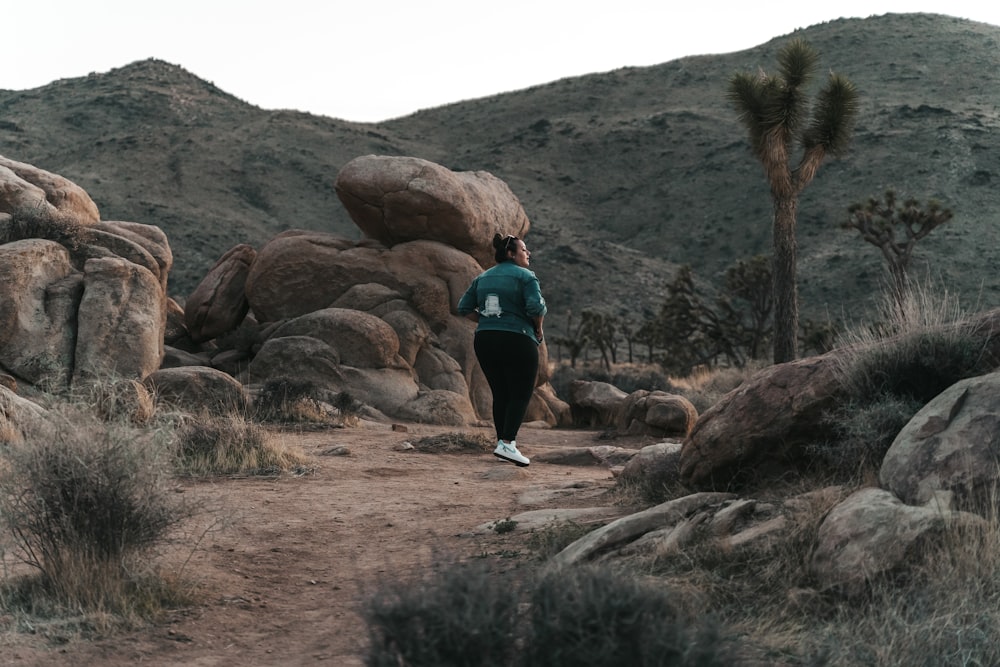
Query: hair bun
[{"x": 497, "y": 241}]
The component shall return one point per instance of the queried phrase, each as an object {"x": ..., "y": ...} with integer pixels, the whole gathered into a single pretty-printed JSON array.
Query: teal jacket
[{"x": 507, "y": 298}]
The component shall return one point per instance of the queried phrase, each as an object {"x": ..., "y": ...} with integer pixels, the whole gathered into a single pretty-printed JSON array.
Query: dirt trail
[{"x": 283, "y": 580}]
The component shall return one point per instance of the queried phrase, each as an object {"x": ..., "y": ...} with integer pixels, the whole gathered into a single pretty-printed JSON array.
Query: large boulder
[
  {"x": 98, "y": 243},
  {"x": 436, "y": 370},
  {"x": 548, "y": 407},
  {"x": 437, "y": 406},
  {"x": 765, "y": 422},
  {"x": 655, "y": 466},
  {"x": 395, "y": 293},
  {"x": 80, "y": 299},
  {"x": 196, "y": 389},
  {"x": 658, "y": 413},
  {"x": 360, "y": 340},
  {"x": 297, "y": 272},
  {"x": 39, "y": 294},
  {"x": 219, "y": 303},
  {"x": 25, "y": 188},
  {"x": 304, "y": 358},
  {"x": 120, "y": 322},
  {"x": 372, "y": 298},
  {"x": 316, "y": 361},
  {"x": 413, "y": 333},
  {"x": 595, "y": 404},
  {"x": 762, "y": 427},
  {"x": 872, "y": 533},
  {"x": 396, "y": 199},
  {"x": 150, "y": 238},
  {"x": 952, "y": 444},
  {"x": 633, "y": 526}
]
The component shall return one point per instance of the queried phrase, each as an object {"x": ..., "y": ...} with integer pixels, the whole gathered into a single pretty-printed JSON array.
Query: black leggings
[{"x": 510, "y": 363}]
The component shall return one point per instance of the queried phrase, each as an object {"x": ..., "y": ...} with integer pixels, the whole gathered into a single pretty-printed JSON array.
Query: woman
[{"x": 507, "y": 304}]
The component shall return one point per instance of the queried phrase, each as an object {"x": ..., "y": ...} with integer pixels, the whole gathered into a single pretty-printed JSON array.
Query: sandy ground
[{"x": 286, "y": 565}]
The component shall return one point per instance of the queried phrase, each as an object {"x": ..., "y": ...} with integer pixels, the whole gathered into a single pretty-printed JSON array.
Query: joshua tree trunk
[
  {"x": 900, "y": 286},
  {"x": 773, "y": 109},
  {"x": 786, "y": 297}
]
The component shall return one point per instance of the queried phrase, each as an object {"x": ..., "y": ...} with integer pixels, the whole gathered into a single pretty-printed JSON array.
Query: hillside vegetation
[{"x": 625, "y": 175}]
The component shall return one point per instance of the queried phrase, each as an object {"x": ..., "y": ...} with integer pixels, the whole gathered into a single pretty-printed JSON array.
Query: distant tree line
[
  {"x": 690, "y": 329},
  {"x": 735, "y": 326}
]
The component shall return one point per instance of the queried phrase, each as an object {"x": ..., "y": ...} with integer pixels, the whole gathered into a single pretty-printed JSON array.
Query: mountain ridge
[{"x": 625, "y": 174}]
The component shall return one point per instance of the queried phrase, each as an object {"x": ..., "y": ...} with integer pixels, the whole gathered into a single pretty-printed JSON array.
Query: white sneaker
[{"x": 508, "y": 452}]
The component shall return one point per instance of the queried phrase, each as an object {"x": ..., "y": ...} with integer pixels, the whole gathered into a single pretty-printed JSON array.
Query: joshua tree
[
  {"x": 774, "y": 109},
  {"x": 877, "y": 223}
]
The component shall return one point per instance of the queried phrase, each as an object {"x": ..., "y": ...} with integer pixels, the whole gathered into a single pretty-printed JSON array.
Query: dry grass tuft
[
  {"x": 233, "y": 445},
  {"x": 456, "y": 442}
]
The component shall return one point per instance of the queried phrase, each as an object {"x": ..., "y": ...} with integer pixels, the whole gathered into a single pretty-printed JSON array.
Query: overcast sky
[{"x": 377, "y": 59}]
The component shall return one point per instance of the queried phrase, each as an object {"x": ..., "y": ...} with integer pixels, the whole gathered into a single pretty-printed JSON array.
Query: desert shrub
[
  {"x": 230, "y": 445},
  {"x": 660, "y": 481},
  {"x": 465, "y": 615},
  {"x": 456, "y": 616},
  {"x": 504, "y": 526},
  {"x": 917, "y": 348},
  {"x": 286, "y": 400},
  {"x": 85, "y": 502},
  {"x": 475, "y": 443},
  {"x": 593, "y": 616},
  {"x": 863, "y": 431},
  {"x": 890, "y": 370},
  {"x": 547, "y": 542}
]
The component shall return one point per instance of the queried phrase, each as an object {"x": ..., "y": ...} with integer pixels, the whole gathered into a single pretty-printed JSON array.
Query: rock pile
[{"x": 373, "y": 319}]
